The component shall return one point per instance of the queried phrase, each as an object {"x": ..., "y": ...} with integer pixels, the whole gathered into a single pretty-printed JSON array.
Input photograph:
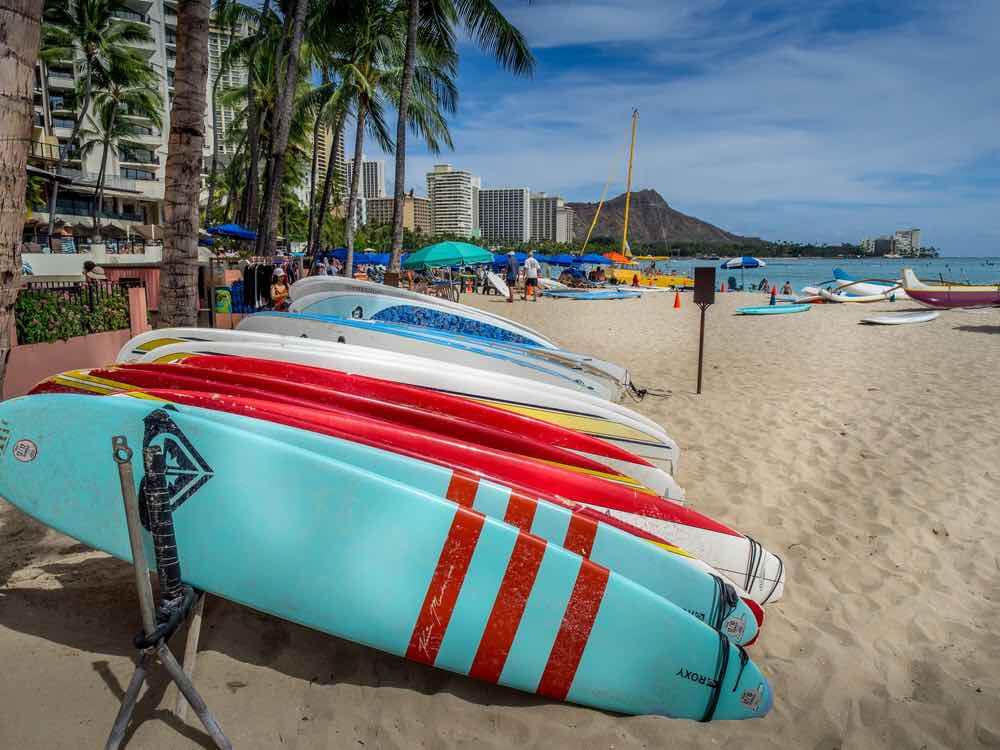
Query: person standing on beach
[
  {"x": 512, "y": 269},
  {"x": 531, "y": 270}
]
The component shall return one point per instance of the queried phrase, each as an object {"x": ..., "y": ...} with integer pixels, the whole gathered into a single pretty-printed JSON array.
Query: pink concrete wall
[
  {"x": 150, "y": 276},
  {"x": 32, "y": 363}
]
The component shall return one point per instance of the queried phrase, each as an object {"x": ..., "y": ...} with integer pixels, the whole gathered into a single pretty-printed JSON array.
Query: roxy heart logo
[{"x": 186, "y": 469}]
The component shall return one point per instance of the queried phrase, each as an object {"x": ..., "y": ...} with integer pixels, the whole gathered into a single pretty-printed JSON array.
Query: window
[
  {"x": 62, "y": 122},
  {"x": 139, "y": 155},
  {"x": 131, "y": 173},
  {"x": 129, "y": 15},
  {"x": 142, "y": 130}
]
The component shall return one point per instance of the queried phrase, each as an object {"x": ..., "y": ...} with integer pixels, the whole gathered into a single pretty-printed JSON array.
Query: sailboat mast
[{"x": 628, "y": 184}]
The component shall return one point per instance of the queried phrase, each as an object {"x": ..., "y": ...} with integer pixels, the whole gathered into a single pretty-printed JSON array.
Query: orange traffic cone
[
  {"x": 677, "y": 300},
  {"x": 774, "y": 298},
  {"x": 722, "y": 286}
]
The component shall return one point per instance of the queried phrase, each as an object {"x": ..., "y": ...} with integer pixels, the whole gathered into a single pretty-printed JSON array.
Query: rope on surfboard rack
[
  {"x": 720, "y": 675},
  {"x": 638, "y": 394},
  {"x": 161, "y": 524},
  {"x": 726, "y": 598}
]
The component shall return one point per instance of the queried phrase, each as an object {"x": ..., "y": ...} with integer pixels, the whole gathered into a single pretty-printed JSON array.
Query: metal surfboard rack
[{"x": 177, "y": 604}]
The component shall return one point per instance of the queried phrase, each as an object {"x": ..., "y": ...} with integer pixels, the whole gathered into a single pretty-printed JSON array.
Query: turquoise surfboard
[
  {"x": 373, "y": 560},
  {"x": 772, "y": 309}
]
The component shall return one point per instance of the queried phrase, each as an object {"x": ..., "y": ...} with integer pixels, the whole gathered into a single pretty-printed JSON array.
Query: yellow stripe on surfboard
[
  {"x": 580, "y": 422},
  {"x": 148, "y": 346}
]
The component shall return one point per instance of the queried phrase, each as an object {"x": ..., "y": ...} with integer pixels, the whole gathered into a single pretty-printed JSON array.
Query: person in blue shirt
[{"x": 512, "y": 269}]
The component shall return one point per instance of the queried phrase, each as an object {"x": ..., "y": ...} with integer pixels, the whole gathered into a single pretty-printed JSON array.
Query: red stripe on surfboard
[
  {"x": 521, "y": 511},
  {"x": 508, "y": 608},
  {"x": 462, "y": 489},
  {"x": 439, "y": 601},
  {"x": 580, "y": 535},
  {"x": 574, "y": 631}
]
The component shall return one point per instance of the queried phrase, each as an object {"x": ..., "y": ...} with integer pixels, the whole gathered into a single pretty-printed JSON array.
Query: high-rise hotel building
[
  {"x": 505, "y": 215},
  {"x": 135, "y": 172},
  {"x": 454, "y": 197},
  {"x": 551, "y": 219}
]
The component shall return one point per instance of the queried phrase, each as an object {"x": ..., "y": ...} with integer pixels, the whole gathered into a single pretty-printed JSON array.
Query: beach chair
[{"x": 732, "y": 286}]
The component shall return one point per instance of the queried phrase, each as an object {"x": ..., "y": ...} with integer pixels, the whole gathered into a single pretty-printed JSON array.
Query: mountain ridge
[{"x": 651, "y": 219}]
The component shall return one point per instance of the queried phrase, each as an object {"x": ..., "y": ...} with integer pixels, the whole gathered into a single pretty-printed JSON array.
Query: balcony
[
  {"x": 131, "y": 15},
  {"x": 61, "y": 104},
  {"x": 60, "y": 79},
  {"x": 66, "y": 123},
  {"x": 138, "y": 157},
  {"x": 130, "y": 173},
  {"x": 170, "y": 38}
]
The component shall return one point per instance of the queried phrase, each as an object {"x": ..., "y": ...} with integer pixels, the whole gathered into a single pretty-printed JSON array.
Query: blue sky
[{"x": 807, "y": 120}]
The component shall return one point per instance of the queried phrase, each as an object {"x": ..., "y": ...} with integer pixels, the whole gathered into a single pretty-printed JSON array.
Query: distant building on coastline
[
  {"x": 876, "y": 245},
  {"x": 416, "y": 212},
  {"x": 907, "y": 242},
  {"x": 454, "y": 199},
  {"x": 505, "y": 214},
  {"x": 551, "y": 219}
]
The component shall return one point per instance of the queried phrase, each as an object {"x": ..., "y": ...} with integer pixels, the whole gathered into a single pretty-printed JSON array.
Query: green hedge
[{"x": 44, "y": 316}]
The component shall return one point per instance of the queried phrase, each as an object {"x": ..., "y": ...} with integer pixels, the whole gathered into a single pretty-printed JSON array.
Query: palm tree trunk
[
  {"x": 20, "y": 21},
  {"x": 405, "y": 91},
  {"x": 213, "y": 170},
  {"x": 315, "y": 161},
  {"x": 98, "y": 205},
  {"x": 352, "y": 200},
  {"x": 178, "y": 272},
  {"x": 248, "y": 208},
  {"x": 267, "y": 231},
  {"x": 328, "y": 184}
]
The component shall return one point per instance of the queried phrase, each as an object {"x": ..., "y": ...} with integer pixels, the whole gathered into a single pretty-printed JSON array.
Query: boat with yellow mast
[{"x": 626, "y": 268}]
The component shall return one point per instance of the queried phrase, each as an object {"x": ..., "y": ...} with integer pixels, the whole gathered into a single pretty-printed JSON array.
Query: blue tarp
[
  {"x": 562, "y": 260},
  {"x": 598, "y": 260}
]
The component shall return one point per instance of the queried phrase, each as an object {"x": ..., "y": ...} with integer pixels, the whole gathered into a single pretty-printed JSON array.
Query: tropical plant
[
  {"x": 119, "y": 95},
  {"x": 20, "y": 23},
  {"x": 178, "y": 271},
  {"x": 90, "y": 33},
  {"x": 435, "y": 21}
]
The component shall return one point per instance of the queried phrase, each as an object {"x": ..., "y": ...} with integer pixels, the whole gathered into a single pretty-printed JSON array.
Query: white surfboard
[
  {"x": 314, "y": 284},
  {"x": 497, "y": 283},
  {"x": 444, "y": 351},
  {"x": 594, "y": 416},
  {"x": 896, "y": 319}
]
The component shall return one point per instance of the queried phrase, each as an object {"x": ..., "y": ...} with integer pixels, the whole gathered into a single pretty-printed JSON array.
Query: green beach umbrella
[{"x": 448, "y": 254}]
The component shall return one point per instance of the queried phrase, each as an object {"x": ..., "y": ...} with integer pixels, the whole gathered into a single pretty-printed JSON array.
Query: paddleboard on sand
[
  {"x": 592, "y": 294},
  {"x": 424, "y": 314},
  {"x": 896, "y": 319},
  {"x": 440, "y": 471},
  {"x": 771, "y": 309},
  {"x": 593, "y": 416},
  {"x": 374, "y": 561},
  {"x": 314, "y": 284},
  {"x": 497, "y": 283},
  {"x": 409, "y": 340}
]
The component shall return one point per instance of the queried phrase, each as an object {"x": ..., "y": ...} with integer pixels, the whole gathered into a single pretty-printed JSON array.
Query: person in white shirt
[{"x": 531, "y": 269}]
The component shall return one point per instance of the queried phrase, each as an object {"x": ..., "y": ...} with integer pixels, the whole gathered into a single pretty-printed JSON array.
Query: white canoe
[
  {"x": 896, "y": 319},
  {"x": 869, "y": 289},
  {"x": 594, "y": 416},
  {"x": 314, "y": 284},
  {"x": 844, "y": 298},
  {"x": 443, "y": 350}
]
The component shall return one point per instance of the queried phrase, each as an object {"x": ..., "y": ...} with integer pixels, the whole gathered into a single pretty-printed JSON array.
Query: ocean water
[{"x": 813, "y": 271}]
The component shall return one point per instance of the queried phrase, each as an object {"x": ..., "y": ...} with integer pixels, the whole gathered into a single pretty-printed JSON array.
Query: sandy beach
[{"x": 868, "y": 457}]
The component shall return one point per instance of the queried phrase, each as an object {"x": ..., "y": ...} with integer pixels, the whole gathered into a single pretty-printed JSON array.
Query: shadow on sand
[
  {"x": 978, "y": 329},
  {"x": 95, "y": 611}
]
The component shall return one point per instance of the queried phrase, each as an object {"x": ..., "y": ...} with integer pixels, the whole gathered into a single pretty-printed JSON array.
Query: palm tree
[
  {"x": 372, "y": 73},
  {"x": 20, "y": 21},
  {"x": 119, "y": 94},
  {"x": 178, "y": 272},
  {"x": 436, "y": 19},
  {"x": 286, "y": 81},
  {"x": 90, "y": 29}
]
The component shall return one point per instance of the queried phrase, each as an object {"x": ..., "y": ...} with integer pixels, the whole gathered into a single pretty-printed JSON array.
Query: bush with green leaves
[{"x": 44, "y": 316}]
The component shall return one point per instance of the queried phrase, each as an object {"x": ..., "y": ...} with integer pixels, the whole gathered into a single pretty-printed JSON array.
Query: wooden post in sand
[{"x": 704, "y": 296}]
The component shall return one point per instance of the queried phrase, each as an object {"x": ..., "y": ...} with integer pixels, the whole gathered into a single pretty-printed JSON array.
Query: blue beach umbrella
[
  {"x": 597, "y": 260},
  {"x": 563, "y": 259},
  {"x": 233, "y": 231},
  {"x": 743, "y": 263}
]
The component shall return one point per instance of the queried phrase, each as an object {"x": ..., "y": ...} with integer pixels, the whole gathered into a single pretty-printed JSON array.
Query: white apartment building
[
  {"x": 907, "y": 241},
  {"x": 454, "y": 197},
  {"x": 505, "y": 214},
  {"x": 135, "y": 175},
  {"x": 372, "y": 177},
  {"x": 551, "y": 219}
]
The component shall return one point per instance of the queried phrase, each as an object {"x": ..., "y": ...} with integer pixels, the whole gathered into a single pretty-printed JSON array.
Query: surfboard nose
[{"x": 746, "y": 693}]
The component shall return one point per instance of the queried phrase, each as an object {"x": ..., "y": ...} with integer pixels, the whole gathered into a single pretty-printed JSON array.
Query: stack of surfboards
[{"x": 424, "y": 478}]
